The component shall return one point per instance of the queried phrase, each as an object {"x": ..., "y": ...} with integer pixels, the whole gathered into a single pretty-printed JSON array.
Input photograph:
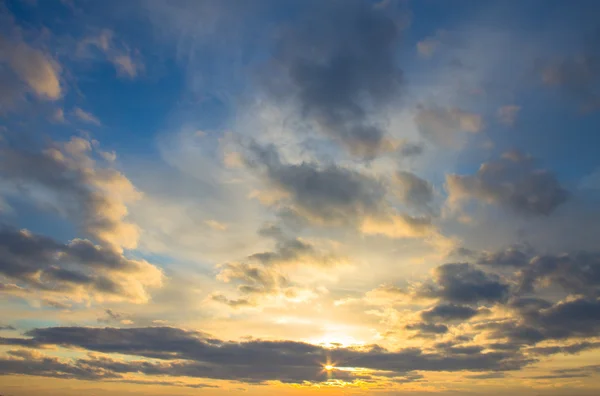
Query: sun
[{"x": 328, "y": 367}]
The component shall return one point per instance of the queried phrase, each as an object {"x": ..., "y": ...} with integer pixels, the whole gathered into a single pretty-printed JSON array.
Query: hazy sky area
[{"x": 299, "y": 197}]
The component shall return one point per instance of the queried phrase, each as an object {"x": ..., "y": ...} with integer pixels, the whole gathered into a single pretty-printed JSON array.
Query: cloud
[
  {"x": 335, "y": 196},
  {"x": 577, "y": 77},
  {"x": 32, "y": 67},
  {"x": 414, "y": 191},
  {"x": 66, "y": 178},
  {"x": 77, "y": 270},
  {"x": 328, "y": 194},
  {"x": 86, "y": 116},
  {"x": 195, "y": 354},
  {"x": 513, "y": 256},
  {"x": 338, "y": 76},
  {"x": 464, "y": 283},
  {"x": 507, "y": 115},
  {"x": 512, "y": 182},
  {"x": 564, "y": 320},
  {"x": 449, "y": 313},
  {"x": 442, "y": 126},
  {"x": 114, "y": 51},
  {"x": 426, "y": 330},
  {"x": 575, "y": 272}
]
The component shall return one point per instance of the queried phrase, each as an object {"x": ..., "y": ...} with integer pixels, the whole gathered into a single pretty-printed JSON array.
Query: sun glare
[{"x": 328, "y": 367}]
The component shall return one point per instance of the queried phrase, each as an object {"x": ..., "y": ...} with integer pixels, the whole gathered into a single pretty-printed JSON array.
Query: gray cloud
[
  {"x": 326, "y": 194},
  {"x": 338, "y": 75},
  {"x": 93, "y": 197},
  {"x": 195, "y": 354},
  {"x": 76, "y": 269},
  {"x": 577, "y": 76},
  {"x": 443, "y": 126},
  {"x": 448, "y": 313},
  {"x": 576, "y": 272},
  {"x": 464, "y": 283},
  {"x": 426, "y": 330},
  {"x": 414, "y": 191},
  {"x": 568, "y": 319},
  {"x": 512, "y": 256},
  {"x": 512, "y": 182}
]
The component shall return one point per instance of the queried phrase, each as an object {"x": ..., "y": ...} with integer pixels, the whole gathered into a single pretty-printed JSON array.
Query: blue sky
[{"x": 371, "y": 196}]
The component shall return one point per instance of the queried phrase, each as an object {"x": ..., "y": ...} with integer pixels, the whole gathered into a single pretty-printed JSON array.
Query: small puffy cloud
[
  {"x": 67, "y": 178},
  {"x": 261, "y": 275},
  {"x": 116, "y": 52},
  {"x": 511, "y": 181},
  {"x": 86, "y": 116},
  {"x": 443, "y": 126},
  {"x": 58, "y": 116},
  {"x": 216, "y": 225},
  {"x": 125, "y": 65},
  {"x": 31, "y": 66},
  {"x": 428, "y": 46},
  {"x": 507, "y": 115},
  {"x": 77, "y": 270}
]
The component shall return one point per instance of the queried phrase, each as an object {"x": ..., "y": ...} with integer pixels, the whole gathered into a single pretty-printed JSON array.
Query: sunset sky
[{"x": 299, "y": 197}]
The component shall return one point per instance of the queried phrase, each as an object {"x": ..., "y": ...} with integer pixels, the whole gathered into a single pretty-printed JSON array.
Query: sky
[{"x": 299, "y": 197}]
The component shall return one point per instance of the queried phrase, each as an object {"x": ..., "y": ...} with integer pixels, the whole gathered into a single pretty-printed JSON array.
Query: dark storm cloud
[
  {"x": 464, "y": 283},
  {"x": 448, "y": 313},
  {"x": 41, "y": 263},
  {"x": 512, "y": 182},
  {"x": 326, "y": 194},
  {"x": 195, "y": 354},
  {"x": 338, "y": 74}
]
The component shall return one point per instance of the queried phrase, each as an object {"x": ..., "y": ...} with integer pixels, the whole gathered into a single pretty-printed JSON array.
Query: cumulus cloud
[
  {"x": 67, "y": 178},
  {"x": 464, "y": 283},
  {"x": 414, "y": 191},
  {"x": 76, "y": 270},
  {"x": 261, "y": 275},
  {"x": 32, "y": 67},
  {"x": 333, "y": 195},
  {"x": 442, "y": 126},
  {"x": 513, "y": 182},
  {"x": 337, "y": 76},
  {"x": 575, "y": 272}
]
